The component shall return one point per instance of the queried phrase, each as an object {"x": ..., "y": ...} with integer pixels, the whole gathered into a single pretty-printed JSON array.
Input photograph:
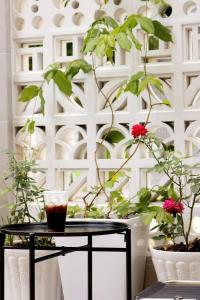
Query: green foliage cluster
[
  {"x": 183, "y": 186},
  {"x": 23, "y": 191}
]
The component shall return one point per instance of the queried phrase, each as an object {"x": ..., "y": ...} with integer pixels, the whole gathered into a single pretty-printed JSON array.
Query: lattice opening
[
  {"x": 68, "y": 48},
  {"x": 70, "y": 142},
  {"x": 29, "y": 56},
  {"x": 26, "y": 143},
  {"x": 158, "y": 52},
  {"x": 74, "y": 181},
  {"x": 26, "y": 108}
]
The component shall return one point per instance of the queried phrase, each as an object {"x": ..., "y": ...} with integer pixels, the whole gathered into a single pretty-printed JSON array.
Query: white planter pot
[
  {"x": 171, "y": 265},
  {"x": 109, "y": 269},
  {"x": 48, "y": 283}
]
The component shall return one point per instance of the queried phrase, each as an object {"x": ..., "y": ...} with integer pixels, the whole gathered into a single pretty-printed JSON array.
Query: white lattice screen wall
[{"x": 45, "y": 32}]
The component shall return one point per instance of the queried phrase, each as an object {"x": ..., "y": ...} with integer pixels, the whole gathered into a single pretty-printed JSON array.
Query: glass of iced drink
[{"x": 56, "y": 209}]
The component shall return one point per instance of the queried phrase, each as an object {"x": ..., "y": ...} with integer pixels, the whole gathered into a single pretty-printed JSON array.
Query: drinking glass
[{"x": 56, "y": 209}]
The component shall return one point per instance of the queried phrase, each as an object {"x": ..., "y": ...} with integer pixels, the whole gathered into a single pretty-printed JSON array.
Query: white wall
[{"x": 5, "y": 88}]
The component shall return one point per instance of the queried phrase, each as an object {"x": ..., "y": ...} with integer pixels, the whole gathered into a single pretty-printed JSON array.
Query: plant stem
[{"x": 190, "y": 220}]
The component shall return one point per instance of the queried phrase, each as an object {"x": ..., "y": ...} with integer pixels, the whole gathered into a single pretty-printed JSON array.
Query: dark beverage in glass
[{"x": 56, "y": 216}]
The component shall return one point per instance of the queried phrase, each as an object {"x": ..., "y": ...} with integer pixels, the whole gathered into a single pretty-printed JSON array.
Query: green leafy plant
[
  {"x": 102, "y": 39},
  {"x": 181, "y": 192},
  {"x": 23, "y": 191}
]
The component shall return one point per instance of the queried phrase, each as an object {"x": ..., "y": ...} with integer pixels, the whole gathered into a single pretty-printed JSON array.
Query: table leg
[
  {"x": 128, "y": 263},
  {"x": 90, "y": 268},
  {"x": 2, "y": 240},
  {"x": 32, "y": 267}
]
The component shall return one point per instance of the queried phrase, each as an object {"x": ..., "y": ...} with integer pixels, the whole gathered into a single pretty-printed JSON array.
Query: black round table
[{"x": 73, "y": 229}]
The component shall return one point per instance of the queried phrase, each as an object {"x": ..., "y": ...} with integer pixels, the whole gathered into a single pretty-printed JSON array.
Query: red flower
[
  {"x": 168, "y": 205},
  {"x": 138, "y": 130},
  {"x": 173, "y": 207}
]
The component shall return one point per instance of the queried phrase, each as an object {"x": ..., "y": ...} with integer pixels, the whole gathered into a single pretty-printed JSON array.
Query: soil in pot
[{"x": 194, "y": 246}]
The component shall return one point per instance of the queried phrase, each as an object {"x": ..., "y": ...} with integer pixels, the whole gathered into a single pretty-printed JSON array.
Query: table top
[
  {"x": 171, "y": 290},
  {"x": 72, "y": 228}
]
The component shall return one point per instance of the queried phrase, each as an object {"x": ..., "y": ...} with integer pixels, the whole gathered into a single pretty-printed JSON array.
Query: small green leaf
[
  {"x": 109, "y": 184},
  {"x": 28, "y": 93},
  {"x": 162, "y": 32},
  {"x": 166, "y": 102},
  {"x": 42, "y": 101},
  {"x": 119, "y": 92},
  {"x": 153, "y": 43},
  {"x": 31, "y": 127}
]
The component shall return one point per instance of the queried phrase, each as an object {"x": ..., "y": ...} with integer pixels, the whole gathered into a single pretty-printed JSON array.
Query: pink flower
[
  {"x": 173, "y": 207},
  {"x": 138, "y": 130}
]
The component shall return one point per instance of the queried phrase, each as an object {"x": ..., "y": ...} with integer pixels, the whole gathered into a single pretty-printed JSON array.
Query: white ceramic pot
[
  {"x": 109, "y": 269},
  {"x": 48, "y": 283},
  {"x": 171, "y": 265}
]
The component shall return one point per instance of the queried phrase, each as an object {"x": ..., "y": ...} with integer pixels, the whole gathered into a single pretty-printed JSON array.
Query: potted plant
[
  {"x": 178, "y": 257},
  {"x": 101, "y": 40},
  {"x": 23, "y": 190}
]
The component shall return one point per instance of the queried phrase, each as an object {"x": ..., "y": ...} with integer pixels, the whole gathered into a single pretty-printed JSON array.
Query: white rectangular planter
[
  {"x": 109, "y": 269},
  {"x": 48, "y": 283}
]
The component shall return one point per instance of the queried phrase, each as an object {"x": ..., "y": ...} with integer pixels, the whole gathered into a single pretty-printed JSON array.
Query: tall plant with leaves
[{"x": 102, "y": 38}]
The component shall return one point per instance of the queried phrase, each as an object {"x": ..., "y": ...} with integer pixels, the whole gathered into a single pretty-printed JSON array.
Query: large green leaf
[
  {"x": 74, "y": 67},
  {"x": 145, "y": 23},
  {"x": 137, "y": 76},
  {"x": 123, "y": 41},
  {"x": 63, "y": 83},
  {"x": 162, "y": 32},
  {"x": 132, "y": 87},
  {"x": 137, "y": 44},
  {"x": 101, "y": 49},
  {"x": 28, "y": 93},
  {"x": 50, "y": 75},
  {"x": 110, "y": 22}
]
